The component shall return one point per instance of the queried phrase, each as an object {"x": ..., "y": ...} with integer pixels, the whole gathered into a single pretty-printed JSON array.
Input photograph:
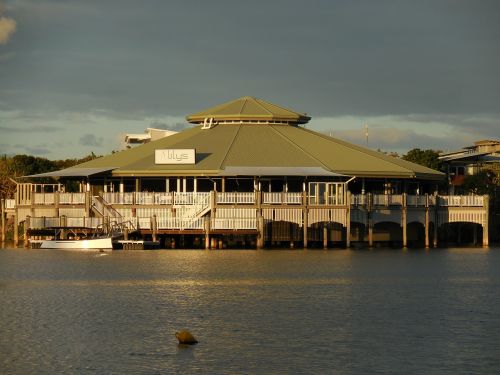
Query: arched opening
[
  {"x": 461, "y": 234},
  {"x": 326, "y": 234},
  {"x": 282, "y": 234},
  {"x": 387, "y": 233},
  {"x": 415, "y": 234}
]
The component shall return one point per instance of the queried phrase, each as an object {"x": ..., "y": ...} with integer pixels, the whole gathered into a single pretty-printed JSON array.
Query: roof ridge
[
  {"x": 229, "y": 148},
  {"x": 300, "y": 148},
  {"x": 245, "y": 99},
  {"x": 258, "y": 101},
  {"x": 280, "y": 107}
]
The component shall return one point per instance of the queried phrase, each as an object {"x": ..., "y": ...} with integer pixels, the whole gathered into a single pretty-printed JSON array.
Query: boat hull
[{"x": 91, "y": 244}]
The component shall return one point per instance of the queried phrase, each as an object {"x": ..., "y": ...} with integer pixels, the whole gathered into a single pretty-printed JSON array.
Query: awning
[
  {"x": 278, "y": 171},
  {"x": 73, "y": 172}
]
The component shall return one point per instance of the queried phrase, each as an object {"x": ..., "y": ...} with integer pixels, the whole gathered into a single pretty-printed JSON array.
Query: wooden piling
[
  {"x": 207, "y": 232},
  {"x": 26, "y": 227},
  {"x": 260, "y": 235},
  {"x": 16, "y": 229},
  {"x": 154, "y": 227},
  {"x": 305, "y": 227},
  {"x": 404, "y": 216},
  {"x": 325, "y": 237},
  {"x": 3, "y": 229},
  {"x": 486, "y": 205},
  {"x": 348, "y": 221}
]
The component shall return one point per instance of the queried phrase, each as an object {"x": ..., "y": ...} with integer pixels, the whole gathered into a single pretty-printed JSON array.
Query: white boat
[{"x": 102, "y": 243}]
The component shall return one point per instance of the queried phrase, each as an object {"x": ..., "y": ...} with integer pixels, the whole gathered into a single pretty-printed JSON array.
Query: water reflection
[{"x": 252, "y": 311}]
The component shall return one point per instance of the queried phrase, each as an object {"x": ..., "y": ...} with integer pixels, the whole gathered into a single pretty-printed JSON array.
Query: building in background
[
  {"x": 469, "y": 161},
  {"x": 150, "y": 134}
]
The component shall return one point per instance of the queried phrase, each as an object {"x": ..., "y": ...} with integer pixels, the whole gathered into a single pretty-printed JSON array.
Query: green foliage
[
  {"x": 427, "y": 158},
  {"x": 24, "y": 165},
  {"x": 480, "y": 183}
]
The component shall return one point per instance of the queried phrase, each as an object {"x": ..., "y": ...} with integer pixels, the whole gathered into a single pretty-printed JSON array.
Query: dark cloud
[
  {"x": 178, "y": 126},
  {"x": 137, "y": 61},
  {"x": 91, "y": 140},
  {"x": 37, "y": 150},
  {"x": 333, "y": 58},
  {"x": 30, "y": 129}
]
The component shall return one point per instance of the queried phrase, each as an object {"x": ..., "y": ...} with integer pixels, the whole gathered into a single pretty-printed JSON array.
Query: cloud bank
[{"x": 7, "y": 27}]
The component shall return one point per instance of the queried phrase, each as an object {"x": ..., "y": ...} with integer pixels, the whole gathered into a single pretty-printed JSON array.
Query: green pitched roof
[
  {"x": 249, "y": 108},
  {"x": 244, "y": 145}
]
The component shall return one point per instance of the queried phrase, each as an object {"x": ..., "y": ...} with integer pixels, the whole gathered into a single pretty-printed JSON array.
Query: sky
[{"x": 75, "y": 75}]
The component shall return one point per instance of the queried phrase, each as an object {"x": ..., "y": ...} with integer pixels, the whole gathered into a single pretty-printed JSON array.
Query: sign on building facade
[{"x": 175, "y": 156}]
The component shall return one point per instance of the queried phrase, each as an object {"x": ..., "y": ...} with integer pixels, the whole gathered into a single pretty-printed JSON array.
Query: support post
[
  {"x": 206, "y": 226},
  {"x": 436, "y": 221},
  {"x": 370, "y": 220},
  {"x": 2, "y": 202},
  {"x": 486, "y": 206},
  {"x": 16, "y": 228},
  {"x": 370, "y": 230},
  {"x": 63, "y": 225},
  {"x": 260, "y": 235},
  {"x": 348, "y": 221},
  {"x": 306, "y": 224},
  {"x": 26, "y": 227},
  {"x": 427, "y": 221},
  {"x": 404, "y": 220},
  {"x": 88, "y": 203},
  {"x": 154, "y": 227},
  {"x": 325, "y": 237}
]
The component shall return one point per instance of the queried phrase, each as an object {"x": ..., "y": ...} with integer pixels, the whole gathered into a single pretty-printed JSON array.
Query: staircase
[
  {"x": 103, "y": 208},
  {"x": 191, "y": 207}
]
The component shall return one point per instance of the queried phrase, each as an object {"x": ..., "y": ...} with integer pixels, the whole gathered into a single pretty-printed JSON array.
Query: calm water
[{"x": 254, "y": 312}]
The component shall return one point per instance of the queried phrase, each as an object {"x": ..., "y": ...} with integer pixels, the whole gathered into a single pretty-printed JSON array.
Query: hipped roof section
[
  {"x": 249, "y": 108},
  {"x": 263, "y": 146}
]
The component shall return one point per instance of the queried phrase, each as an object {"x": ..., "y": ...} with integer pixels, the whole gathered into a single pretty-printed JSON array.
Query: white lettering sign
[{"x": 175, "y": 156}]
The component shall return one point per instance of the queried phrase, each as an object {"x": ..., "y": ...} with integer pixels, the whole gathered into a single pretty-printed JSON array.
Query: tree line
[
  {"x": 12, "y": 167},
  {"x": 487, "y": 181}
]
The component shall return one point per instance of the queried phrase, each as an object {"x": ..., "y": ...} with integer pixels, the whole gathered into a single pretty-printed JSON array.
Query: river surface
[{"x": 253, "y": 312}]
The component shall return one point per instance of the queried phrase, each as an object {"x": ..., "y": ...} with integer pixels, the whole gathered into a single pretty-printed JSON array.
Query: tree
[
  {"x": 24, "y": 165},
  {"x": 427, "y": 158},
  {"x": 480, "y": 183}
]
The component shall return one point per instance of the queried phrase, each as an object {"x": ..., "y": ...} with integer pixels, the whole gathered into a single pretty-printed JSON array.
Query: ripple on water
[{"x": 252, "y": 312}]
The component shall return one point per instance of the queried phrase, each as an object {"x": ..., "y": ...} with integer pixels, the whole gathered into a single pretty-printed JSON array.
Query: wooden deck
[{"x": 342, "y": 218}]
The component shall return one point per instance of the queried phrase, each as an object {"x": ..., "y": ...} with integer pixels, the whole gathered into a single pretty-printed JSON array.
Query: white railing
[
  {"x": 176, "y": 223},
  {"x": 271, "y": 198},
  {"x": 71, "y": 222},
  {"x": 184, "y": 198},
  {"x": 163, "y": 198},
  {"x": 71, "y": 198},
  {"x": 416, "y": 200},
  {"x": 282, "y": 198},
  {"x": 234, "y": 223},
  {"x": 293, "y": 198},
  {"x": 461, "y": 200},
  {"x": 43, "y": 198},
  {"x": 387, "y": 199},
  {"x": 359, "y": 199},
  {"x": 119, "y": 198},
  {"x": 44, "y": 222},
  {"x": 75, "y": 222},
  {"x": 235, "y": 198}
]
